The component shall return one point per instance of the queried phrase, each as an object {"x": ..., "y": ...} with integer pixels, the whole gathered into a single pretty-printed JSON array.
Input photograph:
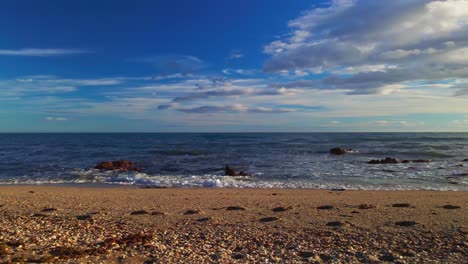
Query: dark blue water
[{"x": 295, "y": 160}]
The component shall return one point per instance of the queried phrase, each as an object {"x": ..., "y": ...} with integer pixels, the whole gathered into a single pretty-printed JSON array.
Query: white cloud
[
  {"x": 41, "y": 52},
  {"x": 375, "y": 43}
]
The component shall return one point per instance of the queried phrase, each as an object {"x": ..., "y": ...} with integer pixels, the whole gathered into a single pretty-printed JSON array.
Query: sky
[{"x": 234, "y": 66}]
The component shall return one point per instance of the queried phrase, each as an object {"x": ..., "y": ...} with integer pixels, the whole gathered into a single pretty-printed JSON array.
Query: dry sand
[{"x": 129, "y": 225}]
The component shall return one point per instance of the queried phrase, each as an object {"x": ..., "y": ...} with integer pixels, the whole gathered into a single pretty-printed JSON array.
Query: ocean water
[{"x": 280, "y": 160}]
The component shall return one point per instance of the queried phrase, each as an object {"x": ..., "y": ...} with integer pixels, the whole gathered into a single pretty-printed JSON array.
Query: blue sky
[{"x": 214, "y": 66}]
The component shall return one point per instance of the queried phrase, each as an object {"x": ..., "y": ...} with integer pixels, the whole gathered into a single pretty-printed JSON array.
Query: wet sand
[{"x": 129, "y": 225}]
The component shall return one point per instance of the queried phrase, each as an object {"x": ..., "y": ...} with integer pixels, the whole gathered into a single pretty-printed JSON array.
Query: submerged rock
[
  {"x": 120, "y": 165},
  {"x": 337, "y": 151},
  {"x": 229, "y": 171},
  {"x": 383, "y": 161}
]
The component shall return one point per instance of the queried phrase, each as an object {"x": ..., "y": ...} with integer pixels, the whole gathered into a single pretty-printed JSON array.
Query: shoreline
[{"x": 115, "y": 225}]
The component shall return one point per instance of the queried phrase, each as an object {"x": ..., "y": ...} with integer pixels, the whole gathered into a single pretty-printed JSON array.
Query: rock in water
[
  {"x": 383, "y": 161},
  {"x": 337, "y": 151},
  {"x": 122, "y": 165},
  {"x": 229, "y": 171}
]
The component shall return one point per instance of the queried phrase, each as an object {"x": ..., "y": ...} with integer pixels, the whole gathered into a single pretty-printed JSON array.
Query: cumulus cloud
[
  {"x": 40, "y": 52},
  {"x": 363, "y": 45}
]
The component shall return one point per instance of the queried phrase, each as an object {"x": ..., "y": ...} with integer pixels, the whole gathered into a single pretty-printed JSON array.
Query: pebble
[
  {"x": 405, "y": 223},
  {"x": 403, "y": 205},
  {"x": 268, "y": 219},
  {"x": 325, "y": 207}
]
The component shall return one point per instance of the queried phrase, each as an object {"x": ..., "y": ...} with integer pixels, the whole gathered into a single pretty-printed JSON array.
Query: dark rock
[
  {"x": 405, "y": 223},
  {"x": 451, "y": 207},
  {"x": 405, "y": 161},
  {"x": 48, "y": 209},
  {"x": 118, "y": 165},
  {"x": 268, "y": 219},
  {"x": 366, "y": 206},
  {"x": 229, "y": 171},
  {"x": 31, "y": 191},
  {"x": 334, "y": 224},
  {"x": 140, "y": 212},
  {"x": 192, "y": 211},
  {"x": 383, "y": 161},
  {"x": 337, "y": 151},
  {"x": 235, "y": 208},
  {"x": 401, "y": 205},
  {"x": 325, "y": 207},
  {"x": 281, "y": 209},
  {"x": 465, "y": 160},
  {"x": 204, "y": 219}
]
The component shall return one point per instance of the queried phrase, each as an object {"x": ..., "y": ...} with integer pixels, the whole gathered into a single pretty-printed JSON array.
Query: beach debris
[
  {"x": 401, "y": 205},
  {"x": 230, "y": 171},
  {"x": 192, "y": 211},
  {"x": 451, "y": 207},
  {"x": 325, "y": 207},
  {"x": 268, "y": 219},
  {"x": 337, "y": 151},
  {"x": 281, "y": 209},
  {"x": 117, "y": 165},
  {"x": 383, "y": 161},
  {"x": 50, "y": 209},
  {"x": 335, "y": 224},
  {"x": 139, "y": 212},
  {"x": 366, "y": 206},
  {"x": 405, "y": 223},
  {"x": 235, "y": 208}
]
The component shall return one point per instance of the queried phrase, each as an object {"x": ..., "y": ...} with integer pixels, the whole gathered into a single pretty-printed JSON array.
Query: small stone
[
  {"x": 157, "y": 213},
  {"x": 268, "y": 219},
  {"x": 84, "y": 217},
  {"x": 281, "y": 209},
  {"x": 366, "y": 206},
  {"x": 405, "y": 223},
  {"x": 325, "y": 207},
  {"x": 204, "y": 219},
  {"x": 402, "y": 205},
  {"x": 451, "y": 207},
  {"x": 235, "y": 208},
  {"x": 306, "y": 254},
  {"x": 337, "y": 151},
  {"x": 192, "y": 211},
  {"x": 334, "y": 224},
  {"x": 140, "y": 212},
  {"x": 39, "y": 215}
]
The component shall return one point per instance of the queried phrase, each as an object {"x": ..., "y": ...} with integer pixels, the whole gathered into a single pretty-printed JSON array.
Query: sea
[{"x": 273, "y": 160}]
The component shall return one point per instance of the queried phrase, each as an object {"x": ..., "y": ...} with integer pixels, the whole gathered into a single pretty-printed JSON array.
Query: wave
[{"x": 93, "y": 176}]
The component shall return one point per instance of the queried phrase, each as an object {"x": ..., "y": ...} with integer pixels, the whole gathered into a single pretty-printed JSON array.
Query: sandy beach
[{"x": 131, "y": 225}]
